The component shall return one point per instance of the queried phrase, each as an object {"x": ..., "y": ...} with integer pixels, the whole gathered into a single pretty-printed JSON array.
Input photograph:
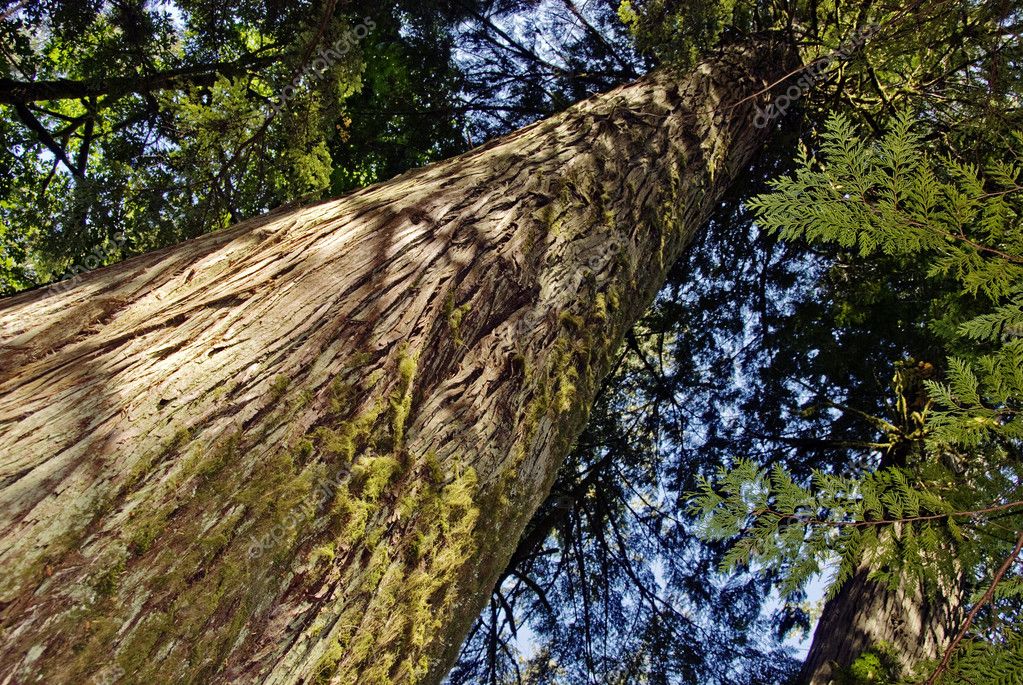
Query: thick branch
[{"x": 13, "y": 92}]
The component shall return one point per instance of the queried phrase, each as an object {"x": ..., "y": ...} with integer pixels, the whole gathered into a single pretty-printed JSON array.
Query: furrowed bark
[
  {"x": 866, "y": 614},
  {"x": 304, "y": 448}
]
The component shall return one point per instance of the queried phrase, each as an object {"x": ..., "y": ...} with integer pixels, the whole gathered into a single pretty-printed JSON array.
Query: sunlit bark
[{"x": 303, "y": 449}]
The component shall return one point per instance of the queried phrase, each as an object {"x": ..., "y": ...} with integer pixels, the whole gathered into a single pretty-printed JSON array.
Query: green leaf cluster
[{"x": 946, "y": 504}]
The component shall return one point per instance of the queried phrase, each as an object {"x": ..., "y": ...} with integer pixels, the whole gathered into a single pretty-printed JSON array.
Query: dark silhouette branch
[
  {"x": 14, "y": 92},
  {"x": 44, "y": 137}
]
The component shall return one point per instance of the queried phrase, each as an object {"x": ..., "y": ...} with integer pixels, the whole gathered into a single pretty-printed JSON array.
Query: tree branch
[
  {"x": 44, "y": 137},
  {"x": 988, "y": 596},
  {"x": 13, "y": 92}
]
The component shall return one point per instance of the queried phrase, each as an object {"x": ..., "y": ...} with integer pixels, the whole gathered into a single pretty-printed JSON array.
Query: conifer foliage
[{"x": 942, "y": 504}]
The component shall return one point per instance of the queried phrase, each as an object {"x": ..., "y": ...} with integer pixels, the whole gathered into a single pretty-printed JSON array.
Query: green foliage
[
  {"x": 164, "y": 121},
  {"x": 679, "y": 32},
  {"x": 878, "y": 665},
  {"x": 980, "y": 662},
  {"x": 890, "y": 196},
  {"x": 910, "y": 531},
  {"x": 912, "y": 520}
]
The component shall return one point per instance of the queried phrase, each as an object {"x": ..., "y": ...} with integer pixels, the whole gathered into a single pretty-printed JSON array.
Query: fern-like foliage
[
  {"x": 954, "y": 510},
  {"x": 918, "y": 532}
]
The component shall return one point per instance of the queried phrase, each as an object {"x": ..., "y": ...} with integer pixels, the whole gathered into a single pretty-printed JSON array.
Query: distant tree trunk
[
  {"x": 865, "y": 614},
  {"x": 303, "y": 449}
]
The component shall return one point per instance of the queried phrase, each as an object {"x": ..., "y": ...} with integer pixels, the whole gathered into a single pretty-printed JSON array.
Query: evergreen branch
[
  {"x": 876, "y": 421},
  {"x": 960, "y": 236},
  {"x": 988, "y": 596},
  {"x": 831, "y": 444},
  {"x": 509, "y": 613},
  {"x": 812, "y": 520},
  {"x": 541, "y": 595},
  {"x": 592, "y": 30}
]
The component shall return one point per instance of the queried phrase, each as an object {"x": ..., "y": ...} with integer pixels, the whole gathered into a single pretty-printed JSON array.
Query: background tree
[{"x": 130, "y": 125}]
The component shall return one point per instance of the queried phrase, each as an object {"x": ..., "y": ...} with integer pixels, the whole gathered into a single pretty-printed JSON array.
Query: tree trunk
[
  {"x": 865, "y": 614},
  {"x": 303, "y": 449}
]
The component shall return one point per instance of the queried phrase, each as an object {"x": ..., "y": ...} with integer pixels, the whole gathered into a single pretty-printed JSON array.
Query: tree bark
[
  {"x": 866, "y": 614},
  {"x": 304, "y": 448}
]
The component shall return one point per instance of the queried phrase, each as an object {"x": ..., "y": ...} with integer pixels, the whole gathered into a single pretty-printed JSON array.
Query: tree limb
[
  {"x": 988, "y": 596},
  {"x": 14, "y": 92}
]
